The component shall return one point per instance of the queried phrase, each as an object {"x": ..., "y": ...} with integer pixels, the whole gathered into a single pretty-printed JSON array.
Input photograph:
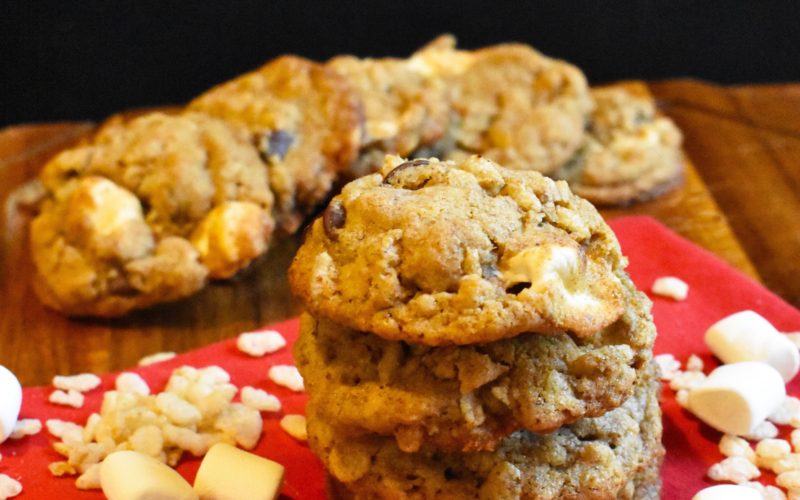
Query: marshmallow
[
  {"x": 128, "y": 475},
  {"x": 728, "y": 492},
  {"x": 746, "y": 336},
  {"x": 228, "y": 473},
  {"x": 10, "y": 402},
  {"x": 736, "y": 398}
]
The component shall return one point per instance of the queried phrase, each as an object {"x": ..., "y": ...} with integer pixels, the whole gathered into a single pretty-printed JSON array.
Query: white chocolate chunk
[
  {"x": 728, "y": 492},
  {"x": 83, "y": 382},
  {"x": 746, "y": 336},
  {"x": 10, "y": 402},
  {"x": 787, "y": 463},
  {"x": 26, "y": 427},
  {"x": 295, "y": 426},
  {"x": 734, "y": 469},
  {"x": 66, "y": 431},
  {"x": 128, "y": 475},
  {"x": 258, "y": 344},
  {"x": 736, "y": 398},
  {"x": 132, "y": 382},
  {"x": 156, "y": 358},
  {"x": 9, "y": 487},
  {"x": 72, "y": 398},
  {"x": 287, "y": 376},
  {"x": 668, "y": 366},
  {"x": 672, "y": 287},
  {"x": 228, "y": 473},
  {"x": 260, "y": 400}
]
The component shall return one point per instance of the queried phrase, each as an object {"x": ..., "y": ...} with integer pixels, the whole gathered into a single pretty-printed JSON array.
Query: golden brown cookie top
[
  {"x": 306, "y": 122},
  {"x": 441, "y": 253}
]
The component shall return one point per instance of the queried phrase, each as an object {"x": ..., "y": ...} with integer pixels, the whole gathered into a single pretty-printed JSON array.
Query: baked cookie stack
[{"x": 472, "y": 333}]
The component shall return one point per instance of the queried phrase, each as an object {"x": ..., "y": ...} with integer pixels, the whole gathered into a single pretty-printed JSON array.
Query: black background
[{"x": 76, "y": 60}]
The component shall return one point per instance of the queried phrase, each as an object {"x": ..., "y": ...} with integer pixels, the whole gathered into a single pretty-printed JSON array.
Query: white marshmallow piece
[
  {"x": 129, "y": 475},
  {"x": 747, "y": 336},
  {"x": 728, "y": 492},
  {"x": 228, "y": 473},
  {"x": 736, "y": 398},
  {"x": 10, "y": 402}
]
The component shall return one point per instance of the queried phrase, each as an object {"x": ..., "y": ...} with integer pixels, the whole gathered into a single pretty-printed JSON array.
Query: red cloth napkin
[{"x": 716, "y": 290}]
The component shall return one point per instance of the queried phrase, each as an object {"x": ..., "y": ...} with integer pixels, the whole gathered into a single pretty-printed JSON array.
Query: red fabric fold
[{"x": 716, "y": 290}]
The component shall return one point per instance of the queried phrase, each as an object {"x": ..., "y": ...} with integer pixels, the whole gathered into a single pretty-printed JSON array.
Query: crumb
[{"x": 295, "y": 426}]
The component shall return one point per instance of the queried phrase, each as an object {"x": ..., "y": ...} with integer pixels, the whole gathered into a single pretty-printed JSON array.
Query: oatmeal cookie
[
  {"x": 439, "y": 253},
  {"x": 468, "y": 398},
  {"x": 595, "y": 458},
  {"x": 189, "y": 180},
  {"x": 306, "y": 122},
  {"x": 404, "y": 108},
  {"x": 629, "y": 154}
]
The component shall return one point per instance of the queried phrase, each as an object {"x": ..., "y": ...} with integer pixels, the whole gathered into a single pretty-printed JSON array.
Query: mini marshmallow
[
  {"x": 746, "y": 336},
  {"x": 258, "y": 344},
  {"x": 228, "y": 473},
  {"x": 128, "y": 475},
  {"x": 10, "y": 402},
  {"x": 728, "y": 492},
  {"x": 672, "y": 287},
  {"x": 736, "y": 398}
]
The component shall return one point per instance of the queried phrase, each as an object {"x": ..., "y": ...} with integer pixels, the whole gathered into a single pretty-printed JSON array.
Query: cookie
[
  {"x": 602, "y": 457},
  {"x": 304, "y": 119},
  {"x": 183, "y": 197},
  {"x": 468, "y": 398},
  {"x": 439, "y": 253},
  {"x": 630, "y": 153},
  {"x": 405, "y": 108}
]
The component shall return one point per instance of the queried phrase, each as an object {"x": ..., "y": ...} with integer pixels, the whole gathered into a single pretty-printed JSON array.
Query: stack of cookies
[{"x": 472, "y": 333}]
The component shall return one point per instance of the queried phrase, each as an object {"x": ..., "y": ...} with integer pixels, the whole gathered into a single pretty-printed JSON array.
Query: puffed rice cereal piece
[
  {"x": 260, "y": 400},
  {"x": 682, "y": 397},
  {"x": 26, "y": 427},
  {"x": 694, "y": 364},
  {"x": 672, "y": 287},
  {"x": 787, "y": 412},
  {"x": 156, "y": 358},
  {"x": 787, "y": 463},
  {"x": 132, "y": 382},
  {"x": 668, "y": 365},
  {"x": 789, "y": 480},
  {"x": 734, "y": 469},
  {"x": 242, "y": 423},
  {"x": 287, "y": 376},
  {"x": 66, "y": 431},
  {"x": 768, "y": 492},
  {"x": 258, "y": 344},
  {"x": 734, "y": 446},
  {"x": 764, "y": 430},
  {"x": 769, "y": 451},
  {"x": 71, "y": 398},
  {"x": 686, "y": 380},
  {"x": 90, "y": 479},
  {"x": 83, "y": 382},
  {"x": 178, "y": 410},
  {"x": 9, "y": 487},
  {"x": 295, "y": 426}
]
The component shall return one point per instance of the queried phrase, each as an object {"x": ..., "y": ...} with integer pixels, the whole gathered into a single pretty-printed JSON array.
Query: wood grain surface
[{"x": 741, "y": 200}]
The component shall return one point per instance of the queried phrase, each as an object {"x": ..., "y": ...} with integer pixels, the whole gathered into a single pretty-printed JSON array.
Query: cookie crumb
[{"x": 132, "y": 382}]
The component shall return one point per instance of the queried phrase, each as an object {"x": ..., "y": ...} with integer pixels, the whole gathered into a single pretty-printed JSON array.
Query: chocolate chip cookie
[
  {"x": 629, "y": 154},
  {"x": 440, "y": 253},
  {"x": 146, "y": 211},
  {"x": 306, "y": 122},
  {"x": 604, "y": 457}
]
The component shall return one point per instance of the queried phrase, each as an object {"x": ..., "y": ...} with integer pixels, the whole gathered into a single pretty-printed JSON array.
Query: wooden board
[{"x": 744, "y": 144}]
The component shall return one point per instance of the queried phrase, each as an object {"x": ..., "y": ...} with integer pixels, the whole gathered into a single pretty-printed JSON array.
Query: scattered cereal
[
  {"x": 787, "y": 463},
  {"x": 26, "y": 427},
  {"x": 694, "y": 364},
  {"x": 156, "y": 358},
  {"x": 80, "y": 383},
  {"x": 787, "y": 412},
  {"x": 132, "y": 382},
  {"x": 90, "y": 479},
  {"x": 769, "y": 451},
  {"x": 764, "y": 430},
  {"x": 71, "y": 398},
  {"x": 9, "y": 487},
  {"x": 295, "y": 426},
  {"x": 287, "y": 376},
  {"x": 686, "y": 380},
  {"x": 789, "y": 480},
  {"x": 257, "y": 344},
  {"x": 66, "y": 431},
  {"x": 672, "y": 287},
  {"x": 768, "y": 492},
  {"x": 682, "y": 397},
  {"x": 668, "y": 365},
  {"x": 734, "y": 446},
  {"x": 260, "y": 400},
  {"x": 734, "y": 469}
]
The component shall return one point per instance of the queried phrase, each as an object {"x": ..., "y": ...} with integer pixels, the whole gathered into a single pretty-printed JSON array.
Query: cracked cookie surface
[
  {"x": 601, "y": 458},
  {"x": 146, "y": 211},
  {"x": 440, "y": 253},
  {"x": 468, "y": 398},
  {"x": 305, "y": 121}
]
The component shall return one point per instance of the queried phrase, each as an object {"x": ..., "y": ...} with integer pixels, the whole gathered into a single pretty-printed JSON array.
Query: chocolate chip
[
  {"x": 333, "y": 219},
  {"x": 277, "y": 143},
  {"x": 403, "y": 166}
]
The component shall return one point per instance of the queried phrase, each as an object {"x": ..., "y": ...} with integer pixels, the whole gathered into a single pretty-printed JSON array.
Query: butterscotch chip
[
  {"x": 306, "y": 122},
  {"x": 441, "y": 253},
  {"x": 468, "y": 398},
  {"x": 629, "y": 153},
  {"x": 603, "y": 457}
]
